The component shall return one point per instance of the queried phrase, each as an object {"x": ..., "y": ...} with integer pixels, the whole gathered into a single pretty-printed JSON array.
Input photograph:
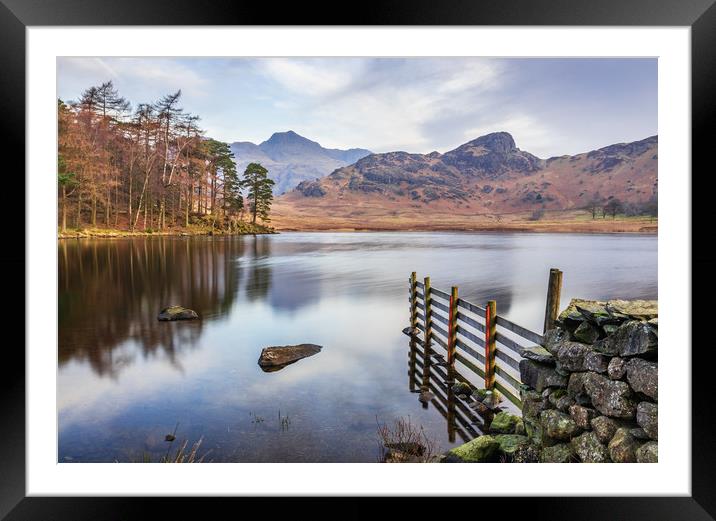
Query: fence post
[
  {"x": 413, "y": 302},
  {"x": 428, "y": 312},
  {"x": 554, "y": 288},
  {"x": 490, "y": 330},
  {"x": 452, "y": 328}
]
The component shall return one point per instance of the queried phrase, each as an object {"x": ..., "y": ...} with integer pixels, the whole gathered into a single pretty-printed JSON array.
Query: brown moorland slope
[{"x": 487, "y": 183}]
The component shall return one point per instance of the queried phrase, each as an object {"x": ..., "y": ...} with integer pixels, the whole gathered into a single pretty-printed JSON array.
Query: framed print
[{"x": 296, "y": 254}]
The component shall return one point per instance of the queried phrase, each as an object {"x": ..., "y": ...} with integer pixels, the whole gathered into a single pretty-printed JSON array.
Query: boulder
[
  {"x": 643, "y": 376},
  {"x": 559, "y": 453},
  {"x": 582, "y": 416},
  {"x": 506, "y": 423},
  {"x": 586, "y": 332},
  {"x": 575, "y": 388},
  {"x": 575, "y": 385},
  {"x": 637, "y": 309},
  {"x": 639, "y": 433},
  {"x": 596, "y": 362},
  {"x": 532, "y": 404},
  {"x": 559, "y": 399},
  {"x": 510, "y": 443},
  {"x": 540, "y": 376},
  {"x": 648, "y": 453},
  {"x": 589, "y": 449},
  {"x": 647, "y": 416},
  {"x": 281, "y": 356},
  {"x": 595, "y": 312},
  {"x": 553, "y": 339},
  {"x": 557, "y": 425},
  {"x": 479, "y": 450},
  {"x": 632, "y": 338},
  {"x": 604, "y": 428},
  {"x": 538, "y": 354},
  {"x": 571, "y": 356},
  {"x": 176, "y": 313},
  {"x": 622, "y": 447},
  {"x": 616, "y": 368},
  {"x": 610, "y": 397},
  {"x": 527, "y": 453},
  {"x": 481, "y": 394},
  {"x": 610, "y": 329},
  {"x": 579, "y": 310}
]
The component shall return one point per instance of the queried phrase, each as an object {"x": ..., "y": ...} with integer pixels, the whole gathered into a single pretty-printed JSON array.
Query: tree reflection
[{"x": 110, "y": 292}]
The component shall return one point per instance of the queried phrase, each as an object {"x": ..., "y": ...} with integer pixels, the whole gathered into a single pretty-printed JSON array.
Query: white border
[{"x": 670, "y": 476}]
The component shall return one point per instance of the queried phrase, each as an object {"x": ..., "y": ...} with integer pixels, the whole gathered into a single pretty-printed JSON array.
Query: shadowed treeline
[{"x": 111, "y": 292}]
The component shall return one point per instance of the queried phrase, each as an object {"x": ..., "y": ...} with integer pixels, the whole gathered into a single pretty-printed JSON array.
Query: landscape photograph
[{"x": 357, "y": 259}]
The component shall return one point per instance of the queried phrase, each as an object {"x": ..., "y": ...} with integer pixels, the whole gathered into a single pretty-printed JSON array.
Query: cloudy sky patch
[{"x": 551, "y": 106}]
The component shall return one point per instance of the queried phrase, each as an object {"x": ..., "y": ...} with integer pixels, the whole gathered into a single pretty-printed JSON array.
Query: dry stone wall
[{"x": 591, "y": 393}]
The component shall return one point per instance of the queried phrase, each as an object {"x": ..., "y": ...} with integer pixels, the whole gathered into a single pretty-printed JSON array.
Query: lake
[{"x": 126, "y": 380}]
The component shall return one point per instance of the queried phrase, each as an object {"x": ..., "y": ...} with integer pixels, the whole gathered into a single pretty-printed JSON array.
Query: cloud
[
  {"x": 384, "y": 104},
  {"x": 149, "y": 77}
]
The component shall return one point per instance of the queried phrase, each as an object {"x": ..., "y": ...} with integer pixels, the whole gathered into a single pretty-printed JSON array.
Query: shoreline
[
  {"x": 546, "y": 228},
  {"x": 111, "y": 233}
]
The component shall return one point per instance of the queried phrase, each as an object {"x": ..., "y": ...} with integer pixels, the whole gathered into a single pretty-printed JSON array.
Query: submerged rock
[
  {"x": 176, "y": 313},
  {"x": 461, "y": 388},
  {"x": 425, "y": 397},
  {"x": 277, "y": 357}
]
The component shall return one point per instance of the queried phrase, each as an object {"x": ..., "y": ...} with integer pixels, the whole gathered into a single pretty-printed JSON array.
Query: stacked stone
[{"x": 590, "y": 394}]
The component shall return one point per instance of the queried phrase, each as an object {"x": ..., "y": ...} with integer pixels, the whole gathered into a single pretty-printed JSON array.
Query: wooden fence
[{"x": 476, "y": 337}]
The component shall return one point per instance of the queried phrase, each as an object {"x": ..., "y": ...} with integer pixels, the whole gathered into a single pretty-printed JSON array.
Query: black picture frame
[{"x": 700, "y": 15}]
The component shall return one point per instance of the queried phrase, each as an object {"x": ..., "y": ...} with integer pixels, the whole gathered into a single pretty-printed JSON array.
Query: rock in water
[
  {"x": 279, "y": 356},
  {"x": 177, "y": 313}
]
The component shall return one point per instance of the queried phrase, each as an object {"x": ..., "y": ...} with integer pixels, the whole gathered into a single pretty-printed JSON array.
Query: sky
[{"x": 551, "y": 107}]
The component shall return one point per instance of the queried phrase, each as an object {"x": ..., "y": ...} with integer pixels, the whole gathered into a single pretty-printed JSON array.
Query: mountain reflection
[{"x": 110, "y": 293}]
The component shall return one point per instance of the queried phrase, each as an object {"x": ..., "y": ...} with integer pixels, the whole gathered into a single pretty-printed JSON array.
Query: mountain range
[
  {"x": 486, "y": 176},
  {"x": 291, "y": 158}
]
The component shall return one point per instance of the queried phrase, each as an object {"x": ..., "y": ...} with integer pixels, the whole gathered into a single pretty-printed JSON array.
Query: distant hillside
[
  {"x": 486, "y": 176},
  {"x": 291, "y": 158}
]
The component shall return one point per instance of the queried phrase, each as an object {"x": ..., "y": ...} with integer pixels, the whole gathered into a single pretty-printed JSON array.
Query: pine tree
[{"x": 260, "y": 191}]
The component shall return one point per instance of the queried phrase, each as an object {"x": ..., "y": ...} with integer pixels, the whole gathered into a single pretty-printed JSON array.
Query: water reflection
[
  {"x": 111, "y": 291},
  {"x": 125, "y": 379},
  {"x": 425, "y": 373}
]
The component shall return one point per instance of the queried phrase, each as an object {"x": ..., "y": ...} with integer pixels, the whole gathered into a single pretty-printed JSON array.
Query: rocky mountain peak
[{"x": 499, "y": 142}]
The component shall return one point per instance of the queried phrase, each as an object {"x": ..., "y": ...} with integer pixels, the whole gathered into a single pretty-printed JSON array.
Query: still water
[{"x": 126, "y": 380}]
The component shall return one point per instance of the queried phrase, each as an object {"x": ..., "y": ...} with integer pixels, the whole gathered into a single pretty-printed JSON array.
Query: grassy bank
[
  {"x": 242, "y": 228},
  {"x": 367, "y": 219}
]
